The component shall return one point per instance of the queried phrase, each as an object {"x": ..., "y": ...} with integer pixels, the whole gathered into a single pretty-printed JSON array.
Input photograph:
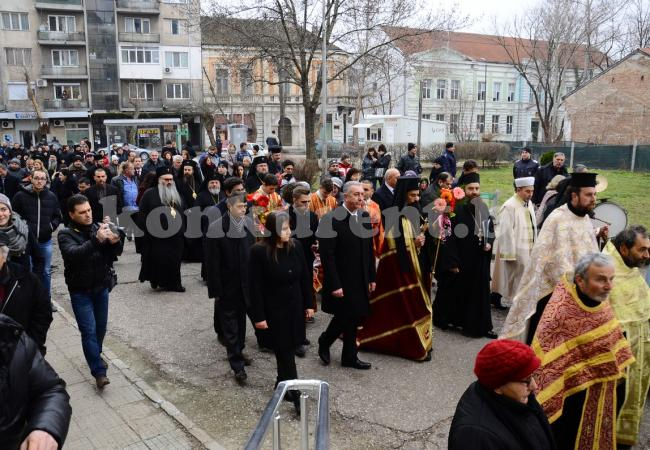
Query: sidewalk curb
[{"x": 169, "y": 408}]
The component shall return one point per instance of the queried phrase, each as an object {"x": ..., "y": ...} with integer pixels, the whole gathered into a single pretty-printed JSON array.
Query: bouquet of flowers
[
  {"x": 446, "y": 206},
  {"x": 259, "y": 206}
]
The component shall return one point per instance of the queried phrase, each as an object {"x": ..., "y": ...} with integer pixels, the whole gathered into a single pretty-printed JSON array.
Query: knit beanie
[
  {"x": 4, "y": 200},
  {"x": 503, "y": 361}
]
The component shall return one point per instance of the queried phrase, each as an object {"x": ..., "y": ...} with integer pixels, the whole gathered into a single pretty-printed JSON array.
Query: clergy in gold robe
[
  {"x": 566, "y": 236},
  {"x": 584, "y": 356},
  {"x": 516, "y": 233},
  {"x": 400, "y": 319},
  {"x": 322, "y": 200},
  {"x": 630, "y": 300}
]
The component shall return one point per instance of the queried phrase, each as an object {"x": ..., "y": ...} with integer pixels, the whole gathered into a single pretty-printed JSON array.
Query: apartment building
[
  {"x": 243, "y": 89},
  {"x": 67, "y": 65}
]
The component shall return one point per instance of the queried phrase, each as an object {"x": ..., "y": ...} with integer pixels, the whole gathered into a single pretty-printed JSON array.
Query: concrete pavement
[{"x": 169, "y": 341}]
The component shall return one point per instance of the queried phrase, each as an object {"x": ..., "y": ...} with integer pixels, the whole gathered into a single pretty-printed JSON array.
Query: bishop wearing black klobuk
[
  {"x": 463, "y": 271},
  {"x": 162, "y": 221},
  {"x": 188, "y": 188}
]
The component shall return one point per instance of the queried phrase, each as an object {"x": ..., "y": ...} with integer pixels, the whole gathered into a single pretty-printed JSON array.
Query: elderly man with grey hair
[
  {"x": 546, "y": 173},
  {"x": 584, "y": 357}
]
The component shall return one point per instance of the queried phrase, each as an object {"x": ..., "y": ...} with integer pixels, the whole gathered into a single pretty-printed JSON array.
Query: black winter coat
[
  {"x": 383, "y": 197},
  {"x": 26, "y": 302},
  {"x": 280, "y": 293},
  {"x": 32, "y": 396},
  {"x": 97, "y": 207},
  {"x": 304, "y": 231},
  {"x": 542, "y": 177},
  {"x": 226, "y": 264},
  {"x": 9, "y": 186},
  {"x": 485, "y": 420},
  {"x": 40, "y": 210},
  {"x": 348, "y": 262},
  {"x": 87, "y": 261}
]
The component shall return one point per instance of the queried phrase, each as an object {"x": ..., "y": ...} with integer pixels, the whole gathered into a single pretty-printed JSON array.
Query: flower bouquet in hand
[
  {"x": 445, "y": 206},
  {"x": 259, "y": 204}
]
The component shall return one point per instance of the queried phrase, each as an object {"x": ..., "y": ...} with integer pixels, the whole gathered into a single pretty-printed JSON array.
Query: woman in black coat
[{"x": 280, "y": 294}]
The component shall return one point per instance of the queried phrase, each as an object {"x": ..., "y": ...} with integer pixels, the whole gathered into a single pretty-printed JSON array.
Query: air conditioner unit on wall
[
  {"x": 41, "y": 83},
  {"x": 7, "y": 124},
  {"x": 58, "y": 123},
  {"x": 168, "y": 70}
]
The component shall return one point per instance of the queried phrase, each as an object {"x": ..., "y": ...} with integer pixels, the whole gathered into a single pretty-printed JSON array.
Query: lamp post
[
  {"x": 485, "y": 96},
  {"x": 324, "y": 88}
]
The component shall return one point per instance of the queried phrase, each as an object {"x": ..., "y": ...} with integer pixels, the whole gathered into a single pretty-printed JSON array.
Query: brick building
[{"x": 614, "y": 106}]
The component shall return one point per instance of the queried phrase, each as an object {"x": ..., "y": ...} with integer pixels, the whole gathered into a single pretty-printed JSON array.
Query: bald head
[{"x": 391, "y": 176}]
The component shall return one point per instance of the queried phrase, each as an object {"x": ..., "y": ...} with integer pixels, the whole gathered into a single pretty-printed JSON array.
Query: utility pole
[
  {"x": 420, "y": 117},
  {"x": 485, "y": 99},
  {"x": 323, "y": 102}
]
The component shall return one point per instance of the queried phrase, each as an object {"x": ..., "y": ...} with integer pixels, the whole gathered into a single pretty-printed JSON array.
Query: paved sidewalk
[{"x": 128, "y": 414}]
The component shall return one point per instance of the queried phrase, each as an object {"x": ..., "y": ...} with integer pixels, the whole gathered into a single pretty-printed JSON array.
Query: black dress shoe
[
  {"x": 153, "y": 285},
  {"x": 300, "y": 351},
  {"x": 324, "y": 353},
  {"x": 357, "y": 364},
  {"x": 178, "y": 288},
  {"x": 491, "y": 335},
  {"x": 241, "y": 376}
]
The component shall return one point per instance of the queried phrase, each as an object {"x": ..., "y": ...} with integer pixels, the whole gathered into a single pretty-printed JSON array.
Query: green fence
[{"x": 614, "y": 157}]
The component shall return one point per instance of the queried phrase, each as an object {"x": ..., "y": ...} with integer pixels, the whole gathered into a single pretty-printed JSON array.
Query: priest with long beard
[
  {"x": 188, "y": 189},
  {"x": 161, "y": 219}
]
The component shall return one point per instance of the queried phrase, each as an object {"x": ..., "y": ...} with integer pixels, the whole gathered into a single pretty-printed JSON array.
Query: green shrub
[{"x": 546, "y": 158}]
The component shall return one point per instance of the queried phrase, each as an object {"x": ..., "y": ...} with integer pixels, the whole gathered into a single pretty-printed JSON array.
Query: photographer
[{"x": 88, "y": 250}]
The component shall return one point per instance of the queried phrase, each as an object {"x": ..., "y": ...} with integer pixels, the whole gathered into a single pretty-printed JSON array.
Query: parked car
[{"x": 141, "y": 152}]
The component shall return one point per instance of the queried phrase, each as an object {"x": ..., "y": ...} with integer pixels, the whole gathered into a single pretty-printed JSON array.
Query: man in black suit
[
  {"x": 384, "y": 195},
  {"x": 8, "y": 185},
  {"x": 102, "y": 190},
  {"x": 345, "y": 241},
  {"x": 226, "y": 263}
]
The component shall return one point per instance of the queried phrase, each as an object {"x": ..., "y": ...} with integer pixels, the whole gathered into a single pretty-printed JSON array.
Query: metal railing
[
  {"x": 65, "y": 104},
  {"x": 271, "y": 416},
  {"x": 125, "y": 36},
  {"x": 138, "y": 4},
  {"x": 64, "y": 71},
  {"x": 78, "y": 36}
]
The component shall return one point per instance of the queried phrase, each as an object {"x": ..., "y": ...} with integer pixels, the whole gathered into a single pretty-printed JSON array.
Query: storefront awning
[{"x": 366, "y": 125}]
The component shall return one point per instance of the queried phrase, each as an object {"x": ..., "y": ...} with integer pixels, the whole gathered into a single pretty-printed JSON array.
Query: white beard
[
  {"x": 214, "y": 191},
  {"x": 169, "y": 195}
]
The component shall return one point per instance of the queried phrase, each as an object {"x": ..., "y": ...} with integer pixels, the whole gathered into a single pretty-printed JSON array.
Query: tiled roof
[{"x": 473, "y": 46}]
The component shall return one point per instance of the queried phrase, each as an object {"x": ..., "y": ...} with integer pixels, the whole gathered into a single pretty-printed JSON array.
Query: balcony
[
  {"x": 238, "y": 98},
  {"x": 138, "y": 6},
  {"x": 139, "y": 37},
  {"x": 61, "y": 38},
  {"x": 61, "y": 5},
  {"x": 141, "y": 104},
  {"x": 62, "y": 105},
  {"x": 71, "y": 72}
]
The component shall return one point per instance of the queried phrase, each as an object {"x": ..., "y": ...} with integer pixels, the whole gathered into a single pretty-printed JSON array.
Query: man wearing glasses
[
  {"x": 499, "y": 410},
  {"x": 40, "y": 209}
]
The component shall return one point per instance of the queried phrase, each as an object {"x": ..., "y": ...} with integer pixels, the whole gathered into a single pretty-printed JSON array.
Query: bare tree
[
  {"x": 464, "y": 108},
  {"x": 555, "y": 43},
  {"x": 637, "y": 25},
  {"x": 43, "y": 124},
  {"x": 289, "y": 33}
]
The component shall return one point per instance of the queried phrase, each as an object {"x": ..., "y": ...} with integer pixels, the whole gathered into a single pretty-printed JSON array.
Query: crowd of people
[{"x": 388, "y": 253}]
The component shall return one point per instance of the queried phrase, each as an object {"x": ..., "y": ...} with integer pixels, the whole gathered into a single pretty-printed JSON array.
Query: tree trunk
[
  {"x": 310, "y": 139},
  {"x": 208, "y": 124}
]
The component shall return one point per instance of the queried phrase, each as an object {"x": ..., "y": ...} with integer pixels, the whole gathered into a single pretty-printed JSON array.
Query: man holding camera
[{"x": 88, "y": 250}]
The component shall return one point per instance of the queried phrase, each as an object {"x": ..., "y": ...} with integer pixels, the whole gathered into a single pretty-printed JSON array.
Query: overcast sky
[{"x": 483, "y": 12}]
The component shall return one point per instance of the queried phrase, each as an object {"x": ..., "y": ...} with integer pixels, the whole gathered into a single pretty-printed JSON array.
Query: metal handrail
[{"x": 271, "y": 416}]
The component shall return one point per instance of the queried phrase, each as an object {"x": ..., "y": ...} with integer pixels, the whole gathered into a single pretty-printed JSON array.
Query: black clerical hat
[
  {"x": 275, "y": 149},
  {"x": 160, "y": 171},
  {"x": 260, "y": 160},
  {"x": 584, "y": 179},
  {"x": 472, "y": 177}
]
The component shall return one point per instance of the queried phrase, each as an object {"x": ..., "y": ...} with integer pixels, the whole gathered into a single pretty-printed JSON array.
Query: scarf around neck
[{"x": 17, "y": 232}]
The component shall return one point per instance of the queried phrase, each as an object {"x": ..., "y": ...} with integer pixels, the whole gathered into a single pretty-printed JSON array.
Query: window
[
  {"x": 453, "y": 123},
  {"x": 17, "y": 91},
  {"x": 223, "y": 78},
  {"x": 426, "y": 88},
  {"x": 67, "y": 91},
  {"x": 496, "y": 91},
  {"x": 14, "y": 21},
  {"x": 567, "y": 89},
  {"x": 480, "y": 123},
  {"x": 137, "y": 25},
  {"x": 495, "y": 124},
  {"x": 440, "y": 117},
  {"x": 426, "y": 116},
  {"x": 176, "y": 59},
  {"x": 65, "y": 58},
  {"x": 509, "y": 120},
  {"x": 511, "y": 92},
  {"x": 178, "y": 90},
  {"x": 441, "y": 88},
  {"x": 176, "y": 27},
  {"x": 140, "y": 55},
  {"x": 19, "y": 56},
  {"x": 481, "y": 90},
  {"x": 246, "y": 81},
  {"x": 142, "y": 91},
  {"x": 64, "y": 24},
  {"x": 454, "y": 91}
]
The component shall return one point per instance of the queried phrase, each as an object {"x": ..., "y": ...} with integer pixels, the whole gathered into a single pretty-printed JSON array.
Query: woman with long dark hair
[{"x": 280, "y": 294}]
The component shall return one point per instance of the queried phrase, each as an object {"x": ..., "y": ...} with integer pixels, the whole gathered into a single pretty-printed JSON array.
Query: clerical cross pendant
[
  {"x": 194, "y": 195},
  {"x": 173, "y": 212}
]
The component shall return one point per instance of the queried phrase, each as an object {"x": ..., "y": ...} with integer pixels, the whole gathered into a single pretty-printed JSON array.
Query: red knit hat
[{"x": 504, "y": 360}]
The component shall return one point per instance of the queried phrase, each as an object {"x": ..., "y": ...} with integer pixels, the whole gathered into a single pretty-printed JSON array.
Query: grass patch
[{"x": 627, "y": 189}]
